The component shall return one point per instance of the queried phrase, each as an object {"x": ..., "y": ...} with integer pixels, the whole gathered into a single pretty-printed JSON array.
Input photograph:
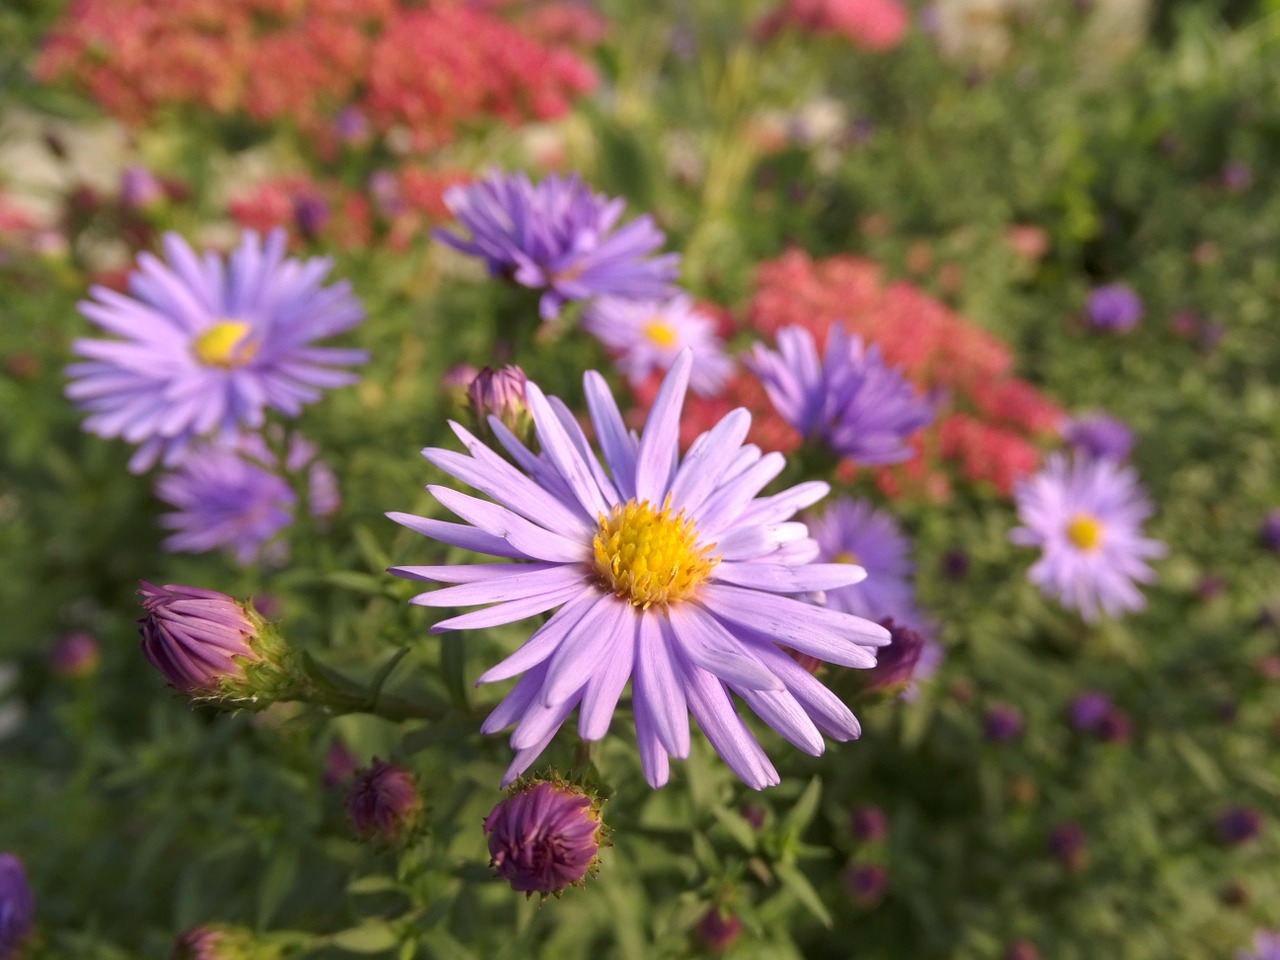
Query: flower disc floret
[
  {"x": 1084, "y": 531},
  {"x": 649, "y": 556},
  {"x": 226, "y": 344}
]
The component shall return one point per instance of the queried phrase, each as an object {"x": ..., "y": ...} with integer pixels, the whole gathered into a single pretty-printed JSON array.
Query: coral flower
[
  {"x": 670, "y": 573},
  {"x": 1086, "y": 516},
  {"x": 210, "y": 345}
]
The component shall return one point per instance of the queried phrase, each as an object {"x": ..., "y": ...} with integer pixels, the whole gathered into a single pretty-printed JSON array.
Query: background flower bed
[{"x": 1006, "y": 174}]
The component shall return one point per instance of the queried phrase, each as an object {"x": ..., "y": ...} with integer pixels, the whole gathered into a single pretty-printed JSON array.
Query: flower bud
[
  {"x": 1237, "y": 825},
  {"x": 200, "y": 640},
  {"x": 1066, "y": 843},
  {"x": 1001, "y": 723},
  {"x": 869, "y": 824},
  {"x": 500, "y": 393},
  {"x": 383, "y": 802},
  {"x": 545, "y": 836},
  {"x": 75, "y": 655},
  {"x": 717, "y": 931},
  {"x": 1113, "y": 307},
  {"x": 139, "y": 188},
  {"x": 1021, "y": 950},
  {"x": 896, "y": 663},
  {"x": 15, "y": 906},
  {"x": 1269, "y": 531},
  {"x": 866, "y": 883},
  {"x": 222, "y": 942}
]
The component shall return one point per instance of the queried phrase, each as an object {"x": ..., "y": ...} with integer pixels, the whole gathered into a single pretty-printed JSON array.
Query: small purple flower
[
  {"x": 1087, "y": 710},
  {"x": 385, "y": 190},
  {"x": 955, "y": 564},
  {"x": 868, "y": 824},
  {"x": 75, "y": 655},
  {"x": 310, "y": 214},
  {"x": 1086, "y": 517},
  {"x": 668, "y": 572},
  {"x": 717, "y": 930},
  {"x": 849, "y": 400},
  {"x": 139, "y": 188},
  {"x": 896, "y": 666},
  {"x": 500, "y": 393},
  {"x": 198, "y": 943},
  {"x": 1066, "y": 842},
  {"x": 1098, "y": 435},
  {"x": 558, "y": 236},
  {"x": 1269, "y": 531},
  {"x": 1021, "y": 950},
  {"x": 198, "y": 639},
  {"x": 648, "y": 335},
  {"x": 339, "y": 763},
  {"x": 16, "y": 906},
  {"x": 1001, "y": 723},
  {"x": 383, "y": 801},
  {"x": 1266, "y": 946},
  {"x": 854, "y": 531},
  {"x": 1114, "y": 727},
  {"x": 352, "y": 126},
  {"x": 866, "y": 883},
  {"x": 1113, "y": 307},
  {"x": 1237, "y": 825},
  {"x": 544, "y": 837},
  {"x": 209, "y": 345},
  {"x": 1237, "y": 177}
]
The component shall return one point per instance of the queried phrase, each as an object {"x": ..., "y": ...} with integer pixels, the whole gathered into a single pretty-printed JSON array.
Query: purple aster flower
[
  {"x": 16, "y": 906},
  {"x": 235, "y": 497},
  {"x": 544, "y": 837},
  {"x": 75, "y": 655},
  {"x": 1237, "y": 825},
  {"x": 198, "y": 639},
  {"x": 1086, "y": 517},
  {"x": 1001, "y": 723},
  {"x": 1266, "y": 946},
  {"x": 848, "y": 400},
  {"x": 854, "y": 531},
  {"x": 1113, "y": 307},
  {"x": 383, "y": 801},
  {"x": 1269, "y": 531},
  {"x": 648, "y": 335},
  {"x": 1098, "y": 435},
  {"x": 558, "y": 236},
  {"x": 210, "y": 345},
  {"x": 1088, "y": 710},
  {"x": 670, "y": 573},
  {"x": 139, "y": 188}
]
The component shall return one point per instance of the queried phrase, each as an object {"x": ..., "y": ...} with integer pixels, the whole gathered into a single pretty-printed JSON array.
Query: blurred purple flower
[
  {"x": 339, "y": 763},
  {"x": 649, "y": 335},
  {"x": 558, "y": 236},
  {"x": 1237, "y": 825},
  {"x": 855, "y": 532},
  {"x": 1066, "y": 842},
  {"x": 848, "y": 400},
  {"x": 209, "y": 346},
  {"x": 868, "y": 824},
  {"x": 626, "y": 554},
  {"x": 1113, "y": 307},
  {"x": 1021, "y": 950},
  {"x": 352, "y": 126},
  {"x": 1087, "y": 710},
  {"x": 1001, "y": 723},
  {"x": 1098, "y": 435},
  {"x": 1269, "y": 531},
  {"x": 1114, "y": 727},
  {"x": 198, "y": 943},
  {"x": 1266, "y": 946},
  {"x": 1086, "y": 517},
  {"x": 544, "y": 837},
  {"x": 139, "y": 188},
  {"x": 500, "y": 393},
  {"x": 75, "y": 655},
  {"x": 310, "y": 214},
  {"x": 385, "y": 190},
  {"x": 16, "y": 906},
  {"x": 197, "y": 639},
  {"x": 383, "y": 801},
  {"x": 1237, "y": 176},
  {"x": 717, "y": 930},
  {"x": 866, "y": 883}
]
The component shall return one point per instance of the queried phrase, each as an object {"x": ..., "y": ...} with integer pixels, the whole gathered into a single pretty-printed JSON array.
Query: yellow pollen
[
  {"x": 660, "y": 333},
  {"x": 844, "y": 556},
  {"x": 225, "y": 345},
  {"x": 648, "y": 556},
  {"x": 1085, "y": 531}
]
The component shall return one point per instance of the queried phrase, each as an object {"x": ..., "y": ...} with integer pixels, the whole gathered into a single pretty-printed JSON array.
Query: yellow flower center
[
  {"x": 660, "y": 333},
  {"x": 648, "y": 556},
  {"x": 845, "y": 556},
  {"x": 225, "y": 345},
  {"x": 1085, "y": 531}
]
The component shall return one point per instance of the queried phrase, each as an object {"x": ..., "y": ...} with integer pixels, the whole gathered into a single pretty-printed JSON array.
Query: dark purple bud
[
  {"x": 1098, "y": 435},
  {"x": 753, "y": 813},
  {"x": 955, "y": 564},
  {"x": 198, "y": 943},
  {"x": 310, "y": 213},
  {"x": 717, "y": 930},
  {"x": 869, "y": 824},
  {"x": 1114, "y": 727},
  {"x": 1234, "y": 895},
  {"x": 1087, "y": 710},
  {"x": 1001, "y": 723},
  {"x": 1113, "y": 307},
  {"x": 1209, "y": 587},
  {"x": 544, "y": 836},
  {"x": 16, "y": 906},
  {"x": 75, "y": 655},
  {"x": 1184, "y": 323},
  {"x": 1021, "y": 950},
  {"x": 1269, "y": 531},
  {"x": 500, "y": 393},
  {"x": 1237, "y": 177},
  {"x": 896, "y": 663},
  {"x": 1066, "y": 843},
  {"x": 1237, "y": 825},
  {"x": 339, "y": 763},
  {"x": 198, "y": 639},
  {"x": 383, "y": 802},
  {"x": 866, "y": 883},
  {"x": 1226, "y": 711}
]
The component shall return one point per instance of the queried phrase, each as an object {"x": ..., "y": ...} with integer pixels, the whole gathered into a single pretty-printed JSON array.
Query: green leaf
[
  {"x": 372, "y": 937},
  {"x": 741, "y": 831},
  {"x": 277, "y": 880},
  {"x": 797, "y": 883},
  {"x": 800, "y": 815},
  {"x": 374, "y": 883},
  {"x": 1201, "y": 764}
]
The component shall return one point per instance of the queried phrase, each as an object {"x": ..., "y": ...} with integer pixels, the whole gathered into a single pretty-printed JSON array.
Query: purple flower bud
[
  {"x": 1066, "y": 842},
  {"x": 1208, "y": 587},
  {"x": 1001, "y": 723},
  {"x": 869, "y": 824},
  {"x": 352, "y": 126},
  {"x": 866, "y": 883},
  {"x": 339, "y": 763},
  {"x": 139, "y": 188},
  {"x": 1087, "y": 710},
  {"x": 896, "y": 663},
  {"x": 384, "y": 802},
  {"x": 1237, "y": 825},
  {"x": 1269, "y": 531},
  {"x": 310, "y": 213},
  {"x": 75, "y": 655},
  {"x": 16, "y": 906},
  {"x": 198, "y": 639},
  {"x": 500, "y": 393},
  {"x": 1114, "y": 727},
  {"x": 1113, "y": 307},
  {"x": 544, "y": 836},
  {"x": 1237, "y": 177},
  {"x": 717, "y": 931},
  {"x": 198, "y": 943},
  {"x": 385, "y": 190},
  {"x": 1021, "y": 950},
  {"x": 1210, "y": 335},
  {"x": 1098, "y": 436},
  {"x": 955, "y": 564},
  {"x": 753, "y": 813}
]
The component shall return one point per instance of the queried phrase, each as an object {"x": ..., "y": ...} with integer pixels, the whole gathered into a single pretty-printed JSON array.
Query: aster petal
[
  {"x": 707, "y": 459},
  {"x": 618, "y": 445},
  {"x": 544, "y": 641},
  {"x": 560, "y": 450},
  {"x": 653, "y": 757},
  {"x": 657, "y": 685},
  {"x": 457, "y": 535},
  {"x": 517, "y": 584},
  {"x": 586, "y": 646},
  {"x": 706, "y": 642},
  {"x": 606, "y": 684},
  {"x": 780, "y": 710},
  {"x": 721, "y": 724},
  {"x": 656, "y": 457},
  {"x": 532, "y": 540},
  {"x": 510, "y": 610},
  {"x": 778, "y": 578}
]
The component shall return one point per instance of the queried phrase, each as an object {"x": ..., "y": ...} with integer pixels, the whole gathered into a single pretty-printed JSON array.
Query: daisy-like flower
[
  {"x": 1086, "y": 517},
  {"x": 853, "y": 531},
  {"x": 209, "y": 345},
  {"x": 648, "y": 335},
  {"x": 670, "y": 573},
  {"x": 847, "y": 400},
  {"x": 560, "y": 237},
  {"x": 1266, "y": 946}
]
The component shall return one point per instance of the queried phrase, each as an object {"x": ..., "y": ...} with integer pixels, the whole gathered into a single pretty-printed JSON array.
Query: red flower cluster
[
  {"x": 868, "y": 24},
  {"x": 430, "y": 68}
]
